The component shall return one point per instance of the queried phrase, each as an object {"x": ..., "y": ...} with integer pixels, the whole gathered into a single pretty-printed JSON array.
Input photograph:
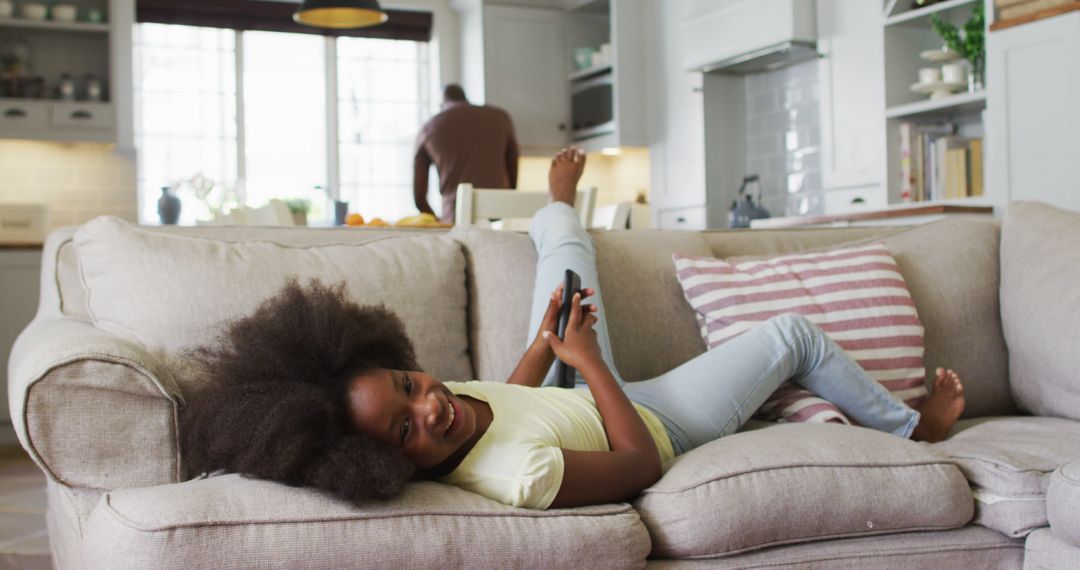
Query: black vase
[{"x": 168, "y": 207}]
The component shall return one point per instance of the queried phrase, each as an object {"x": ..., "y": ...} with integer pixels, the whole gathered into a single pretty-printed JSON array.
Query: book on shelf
[
  {"x": 937, "y": 164},
  {"x": 1010, "y": 9},
  {"x": 975, "y": 167}
]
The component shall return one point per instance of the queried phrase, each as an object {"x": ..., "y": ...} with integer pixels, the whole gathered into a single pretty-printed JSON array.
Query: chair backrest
[
  {"x": 274, "y": 213},
  {"x": 612, "y": 217},
  {"x": 480, "y": 205}
]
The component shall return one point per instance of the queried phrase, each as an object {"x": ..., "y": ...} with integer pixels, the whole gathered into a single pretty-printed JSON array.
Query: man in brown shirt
[{"x": 468, "y": 144}]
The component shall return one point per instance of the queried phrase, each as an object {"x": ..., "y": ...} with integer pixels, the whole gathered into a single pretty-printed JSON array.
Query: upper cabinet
[
  {"x": 605, "y": 41},
  {"x": 1034, "y": 72},
  {"x": 514, "y": 57},
  {"x": 852, "y": 96},
  {"x": 523, "y": 58},
  {"x": 65, "y": 74}
]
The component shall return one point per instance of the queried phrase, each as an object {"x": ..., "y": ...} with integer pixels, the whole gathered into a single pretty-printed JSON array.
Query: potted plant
[
  {"x": 299, "y": 208},
  {"x": 971, "y": 44}
]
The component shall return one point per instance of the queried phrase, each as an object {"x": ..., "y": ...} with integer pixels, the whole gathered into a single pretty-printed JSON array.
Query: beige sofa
[{"x": 98, "y": 377}]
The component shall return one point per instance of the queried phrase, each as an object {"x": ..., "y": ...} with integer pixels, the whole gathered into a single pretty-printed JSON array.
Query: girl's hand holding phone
[{"x": 579, "y": 348}]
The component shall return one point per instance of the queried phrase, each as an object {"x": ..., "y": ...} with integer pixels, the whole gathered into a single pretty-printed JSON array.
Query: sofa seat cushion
[
  {"x": 233, "y": 522},
  {"x": 1063, "y": 502},
  {"x": 968, "y": 547},
  {"x": 171, "y": 292},
  {"x": 1008, "y": 461},
  {"x": 798, "y": 483},
  {"x": 1044, "y": 551}
]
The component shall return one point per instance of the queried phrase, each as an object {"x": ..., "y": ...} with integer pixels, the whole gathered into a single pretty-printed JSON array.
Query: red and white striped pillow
[{"x": 856, "y": 295}]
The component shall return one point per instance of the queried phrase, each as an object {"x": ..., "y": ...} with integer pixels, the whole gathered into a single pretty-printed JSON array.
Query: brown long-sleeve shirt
[{"x": 468, "y": 144}]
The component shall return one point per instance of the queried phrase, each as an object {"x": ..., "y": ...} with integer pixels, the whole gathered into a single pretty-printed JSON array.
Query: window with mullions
[{"x": 249, "y": 111}]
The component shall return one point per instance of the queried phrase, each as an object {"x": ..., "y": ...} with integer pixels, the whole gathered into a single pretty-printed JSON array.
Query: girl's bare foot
[
  {"x": 941, "y": 409},
  {"x": 566, "y": 169}
]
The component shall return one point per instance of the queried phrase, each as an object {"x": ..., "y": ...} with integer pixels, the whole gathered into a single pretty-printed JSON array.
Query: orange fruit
[
  {"x": 354, "y": 219},
  {"x": 379, "y": 222}
]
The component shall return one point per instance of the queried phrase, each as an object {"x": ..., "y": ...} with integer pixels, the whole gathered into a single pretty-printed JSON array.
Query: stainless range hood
[
  {"x": 766, "y": 59},
  {"x": 740, "y": 37}
]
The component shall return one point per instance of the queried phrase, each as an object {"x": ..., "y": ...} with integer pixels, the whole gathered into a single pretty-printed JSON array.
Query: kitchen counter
[{"x": 907, "y": 214}]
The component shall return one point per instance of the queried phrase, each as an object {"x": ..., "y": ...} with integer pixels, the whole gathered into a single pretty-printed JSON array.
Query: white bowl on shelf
[
  {"x": 65, "y": 13},
  {"x": 34, "y": 11},
  {"x": 939, "y": 55},
  {"x": 940, "y": 89}
]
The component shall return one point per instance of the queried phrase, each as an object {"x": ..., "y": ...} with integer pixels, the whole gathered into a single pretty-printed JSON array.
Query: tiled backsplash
[
  {"x": 78, "y": 181},
  {"x": 783, "y": 144}
]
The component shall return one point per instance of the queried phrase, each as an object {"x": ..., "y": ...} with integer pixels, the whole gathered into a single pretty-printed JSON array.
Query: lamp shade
[{"x": 340, "y": 14}]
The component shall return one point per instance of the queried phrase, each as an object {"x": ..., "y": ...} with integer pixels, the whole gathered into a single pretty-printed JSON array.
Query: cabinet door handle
[
  {"x": 562, "y": 126},
  {"x": 14, "y": 114},
  {"x": 680, "y": 220},
  {"x": 82, "y": 115},
  {"x": 858, "y": 200}
]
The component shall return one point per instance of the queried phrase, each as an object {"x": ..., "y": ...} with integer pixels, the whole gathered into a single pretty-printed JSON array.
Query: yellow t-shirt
[{"x": 519, "y": 461}]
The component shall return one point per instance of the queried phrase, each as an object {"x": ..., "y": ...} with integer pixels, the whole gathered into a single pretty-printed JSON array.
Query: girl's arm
[
  {"x": 538, "y": 358},
  {"x": 591, "y": 477}
]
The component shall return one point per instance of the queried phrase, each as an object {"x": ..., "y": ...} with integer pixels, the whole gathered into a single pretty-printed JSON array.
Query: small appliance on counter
[
  {"x": 22, "y": 224},
  {"x": 744, "y": 209}
]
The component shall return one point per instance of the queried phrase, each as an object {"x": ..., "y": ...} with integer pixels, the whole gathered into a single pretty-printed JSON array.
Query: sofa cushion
[
  {"x": 651, "y": 327},
  {"x": 1044, "y": 551},
  {"x": 1008, "y": 462},
  {"x": 797, "y": 483},
  {"x": 171, "y": 292},
  {"x": 233, "y": 522},
  {"x": 856, "y": 295},
  {"x": 968, "y": 547},
  {"x": 951, "y": 269},
  {"x": 1063, "y": 502},
  {"x": 1040, "y": 307}
]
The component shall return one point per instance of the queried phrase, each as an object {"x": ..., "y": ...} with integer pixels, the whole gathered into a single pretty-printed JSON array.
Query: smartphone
[{"x": 566, "y": 376}]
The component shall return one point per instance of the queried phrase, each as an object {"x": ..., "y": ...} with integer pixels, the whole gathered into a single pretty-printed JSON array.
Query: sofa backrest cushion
[
  {"x": 1040, "y": 307},
  {"x": 173, "y": 292}
]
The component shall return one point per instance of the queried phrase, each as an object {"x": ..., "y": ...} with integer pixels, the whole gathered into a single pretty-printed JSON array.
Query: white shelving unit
[
  {"x": 607, "y": 102},
  {"x": 908, "y": 33},
  {"x": 77, "y": 49}
]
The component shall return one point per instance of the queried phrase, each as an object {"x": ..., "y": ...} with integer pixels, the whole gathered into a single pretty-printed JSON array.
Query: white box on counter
[{"x": 23, "y": 223}]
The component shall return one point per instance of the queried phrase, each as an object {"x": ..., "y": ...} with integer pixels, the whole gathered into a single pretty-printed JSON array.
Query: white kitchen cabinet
[
  {"x": 20, "y": 272},
  {"x": 1034, "y": 72},
  {"x": 515, "y": 58},
  {"x": 78, "y": 49},
  {"x": 852, "y": 96},
  {"x": 607, "y": 102}
]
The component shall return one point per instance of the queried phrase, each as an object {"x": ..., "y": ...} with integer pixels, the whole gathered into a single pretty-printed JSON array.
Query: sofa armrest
[
  {"x": 1063, "y": 503},
  {"x": 93, "y": 409}
]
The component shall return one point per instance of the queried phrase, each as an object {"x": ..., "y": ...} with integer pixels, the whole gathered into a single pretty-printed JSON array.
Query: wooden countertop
[
  {"x": 10, "y": 246},
  {"x": 1047, "y": 13},
  {"x": 905, "y": 211}
]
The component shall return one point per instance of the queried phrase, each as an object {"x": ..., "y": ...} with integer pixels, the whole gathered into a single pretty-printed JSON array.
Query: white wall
[{"x": 676, "y": 115}]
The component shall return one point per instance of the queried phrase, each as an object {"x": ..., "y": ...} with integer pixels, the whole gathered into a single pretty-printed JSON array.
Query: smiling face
[{"x": 412, "y": 411}]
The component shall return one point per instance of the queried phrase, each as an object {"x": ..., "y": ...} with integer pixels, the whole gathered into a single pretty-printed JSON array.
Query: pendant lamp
[{"x": 340, "y": 14}]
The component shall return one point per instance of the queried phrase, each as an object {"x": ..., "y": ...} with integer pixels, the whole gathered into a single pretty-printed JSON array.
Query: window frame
[{"x": 332, "y": 183}]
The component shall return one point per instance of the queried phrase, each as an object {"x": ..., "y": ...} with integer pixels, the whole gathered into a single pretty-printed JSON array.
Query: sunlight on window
[
  {"x": 185, "y": 112},
  {"x": 187, "y": 123},
  {"x": 285, "y": 116},
  {"x": 383, "y": 100}
]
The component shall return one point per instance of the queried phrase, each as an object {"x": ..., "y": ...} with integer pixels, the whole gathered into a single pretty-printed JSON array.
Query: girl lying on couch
[{"x": 314, "y": 390}]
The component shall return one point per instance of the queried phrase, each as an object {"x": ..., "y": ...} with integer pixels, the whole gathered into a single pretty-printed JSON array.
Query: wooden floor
[{"x": 24, "y": 541}]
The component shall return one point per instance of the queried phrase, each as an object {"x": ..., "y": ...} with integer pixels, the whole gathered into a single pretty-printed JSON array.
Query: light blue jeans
[{"x": 715, "y": 393}]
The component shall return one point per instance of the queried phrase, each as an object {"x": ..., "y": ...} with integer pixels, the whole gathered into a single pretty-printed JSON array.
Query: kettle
[{"x": 744, "y": 209}]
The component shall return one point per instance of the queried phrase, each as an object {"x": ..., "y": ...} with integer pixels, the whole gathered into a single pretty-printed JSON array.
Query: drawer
[
  {"x": 94, "y": 116},
  {"x": 23, "y": 115},
  {"x": 683, "y": 219},
  {"x": 854, "y": 200}
]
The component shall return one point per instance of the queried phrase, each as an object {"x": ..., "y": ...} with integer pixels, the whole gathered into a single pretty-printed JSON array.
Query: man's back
[{"x": 468, "y": 143}]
